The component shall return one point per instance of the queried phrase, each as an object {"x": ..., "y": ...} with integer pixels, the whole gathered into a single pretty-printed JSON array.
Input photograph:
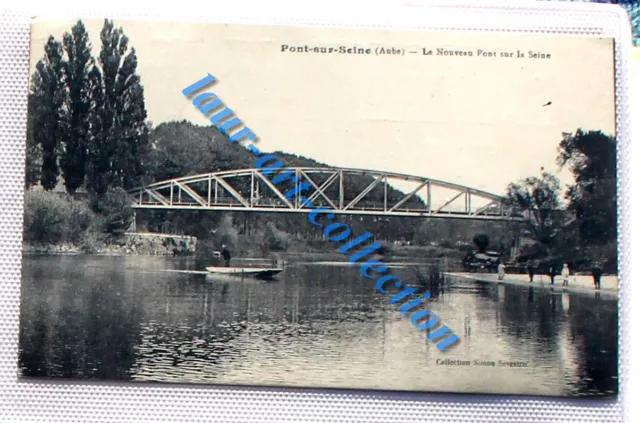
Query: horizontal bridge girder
[
  {"x": 341, "y": 190},
  {"x": 411, "y": 213}
]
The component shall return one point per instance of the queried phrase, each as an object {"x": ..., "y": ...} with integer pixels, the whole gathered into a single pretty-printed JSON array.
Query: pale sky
[{"x": 474, "y": 121}]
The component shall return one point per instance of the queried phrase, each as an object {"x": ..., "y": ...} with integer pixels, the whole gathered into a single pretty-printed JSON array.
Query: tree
[
  {"x": 131, "y": 119},
  {"x": 482, "y": 241},
  {"x": 591, "y": 157},
  {"x": 99, "y": 150},
  {"x": 124, "y": 130},
  {"x": 538, "y": 198},
  {"x": 79, "y": 62},
  {"x": 49, "y": 109},
  {"x": 115, "y": 207},
  {"x": 118, "y": 140},
  {"x": 33, "y": 163}
]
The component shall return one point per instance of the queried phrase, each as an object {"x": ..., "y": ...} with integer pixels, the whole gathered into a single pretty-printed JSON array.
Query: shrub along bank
[{"x": 54, "y": 219}]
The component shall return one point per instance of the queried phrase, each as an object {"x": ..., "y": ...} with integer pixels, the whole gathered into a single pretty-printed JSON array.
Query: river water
[{"x": 318, "y": 325}]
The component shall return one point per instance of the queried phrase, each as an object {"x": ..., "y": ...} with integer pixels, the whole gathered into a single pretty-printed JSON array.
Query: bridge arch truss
[{"x": 344, "y": 191}]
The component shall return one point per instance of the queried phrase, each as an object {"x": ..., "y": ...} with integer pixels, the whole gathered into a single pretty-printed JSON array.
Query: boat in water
[{"x": 265, "y": 273}]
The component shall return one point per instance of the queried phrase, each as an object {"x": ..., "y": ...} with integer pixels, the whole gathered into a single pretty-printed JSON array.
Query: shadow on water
[
  {"x": 431, "y": 279},
  {"x": 581, "y": 328},
  {"x": 594, "y": 326},
  {"x": 79, "y": 330}
]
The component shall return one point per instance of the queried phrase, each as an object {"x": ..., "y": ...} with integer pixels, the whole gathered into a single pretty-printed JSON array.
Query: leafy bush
[
  {"x": 482, "y": 241},
  {"x": 80, "y": 218},
  {"x": 51, "y": 218},
  {"x": 276, "y": 239},
  {"x": 115, "y": 208}
]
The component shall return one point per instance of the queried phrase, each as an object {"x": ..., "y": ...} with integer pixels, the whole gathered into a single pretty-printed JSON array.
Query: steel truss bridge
[{"x": 371, "y": 192}]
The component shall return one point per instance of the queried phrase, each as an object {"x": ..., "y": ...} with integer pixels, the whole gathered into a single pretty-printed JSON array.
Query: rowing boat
[{"x": 247, "y": 272}]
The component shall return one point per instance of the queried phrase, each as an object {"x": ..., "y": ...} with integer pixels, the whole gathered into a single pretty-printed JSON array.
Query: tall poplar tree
[
  {"x": 79, "y": 61},
  {"x": 88, "y": 117},
  {"x": 124, "y": 137},
  {"x": 99, "y": 151},
  {"x": 131, "y": 117},
  {"x": 49, "y": 108},
  {"x": 33, "y": 166}
]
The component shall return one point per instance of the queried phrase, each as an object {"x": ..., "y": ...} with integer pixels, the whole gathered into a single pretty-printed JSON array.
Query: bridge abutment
[{"x": 159, "y": 244}]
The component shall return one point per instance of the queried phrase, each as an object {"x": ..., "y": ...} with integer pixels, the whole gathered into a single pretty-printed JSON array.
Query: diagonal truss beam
[
  {"x": 191, "y": 193},
  {"x": 231, "y": 190},
  {"x": 324, "y": 186},
  {"x": 274, "y": 189},
  {"x": 408, "y": 196},
  {"x": 364, "y": 192},
  {"x": 317, "y": 189},
  {"x": 485, "y": 208},
  {"x": 157, "y": 196},
  {"x": 458, "y": 195}
]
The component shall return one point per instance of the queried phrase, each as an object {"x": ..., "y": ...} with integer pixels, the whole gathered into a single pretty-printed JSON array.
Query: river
[{"x": 318, "y": 325}]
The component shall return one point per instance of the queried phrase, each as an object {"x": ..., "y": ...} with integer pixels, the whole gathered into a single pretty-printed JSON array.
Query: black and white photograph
[{"x": 309, "y": 207}]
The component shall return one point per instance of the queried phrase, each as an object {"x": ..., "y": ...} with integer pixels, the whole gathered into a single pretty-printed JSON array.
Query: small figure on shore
[
  {"x": 565, "y": 274},
  {"x": 552, "y": 273},
  {"x": 502, "y": 270},
  {"x": 531, "y": 270},
  {"x": 226, "y": 255},
  {"x": 597, "y": 274}
]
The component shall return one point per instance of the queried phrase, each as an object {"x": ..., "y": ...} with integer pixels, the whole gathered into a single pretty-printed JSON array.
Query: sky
[{"x": 471, "y": 120}]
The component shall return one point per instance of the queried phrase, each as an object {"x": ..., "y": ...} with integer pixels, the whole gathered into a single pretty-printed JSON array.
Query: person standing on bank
[
  {"x": 531, "y": 270},
  {"x": 552, "y": 272},
  {"x": 597, "y": 274},
  {"x": 226, "y": 255},
  {"x": 565, "y": 274},
  {"x": 502, "y": 269}
]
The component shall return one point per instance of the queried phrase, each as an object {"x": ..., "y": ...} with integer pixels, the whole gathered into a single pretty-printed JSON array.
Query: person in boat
[
  {"x": 565, "y": 274},
  {"x": 226, "y": 256},
  {"x": 597, "y": 274},
  {"x": 502, "y": 270}
]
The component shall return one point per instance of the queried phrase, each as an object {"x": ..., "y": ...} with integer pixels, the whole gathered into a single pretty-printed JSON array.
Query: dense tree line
[
  {"x": 586, "y": 230},
  {"x": 87, "y": 116}
]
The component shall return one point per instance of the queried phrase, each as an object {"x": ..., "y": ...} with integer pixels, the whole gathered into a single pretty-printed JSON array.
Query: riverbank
[
  {"x": 148, "y": 244},
  {"x": 577, "y": 283}
]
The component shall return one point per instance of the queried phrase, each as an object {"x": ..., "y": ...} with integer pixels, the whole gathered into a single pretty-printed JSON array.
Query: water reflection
[{"x": 121, "y": 318}]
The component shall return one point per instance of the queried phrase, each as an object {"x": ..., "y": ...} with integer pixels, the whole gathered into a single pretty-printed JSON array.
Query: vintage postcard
[{"x": 233, "y": 204}]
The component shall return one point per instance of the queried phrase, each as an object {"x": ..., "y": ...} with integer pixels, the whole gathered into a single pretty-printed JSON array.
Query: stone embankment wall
[{"x": 159, "y": 244}]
